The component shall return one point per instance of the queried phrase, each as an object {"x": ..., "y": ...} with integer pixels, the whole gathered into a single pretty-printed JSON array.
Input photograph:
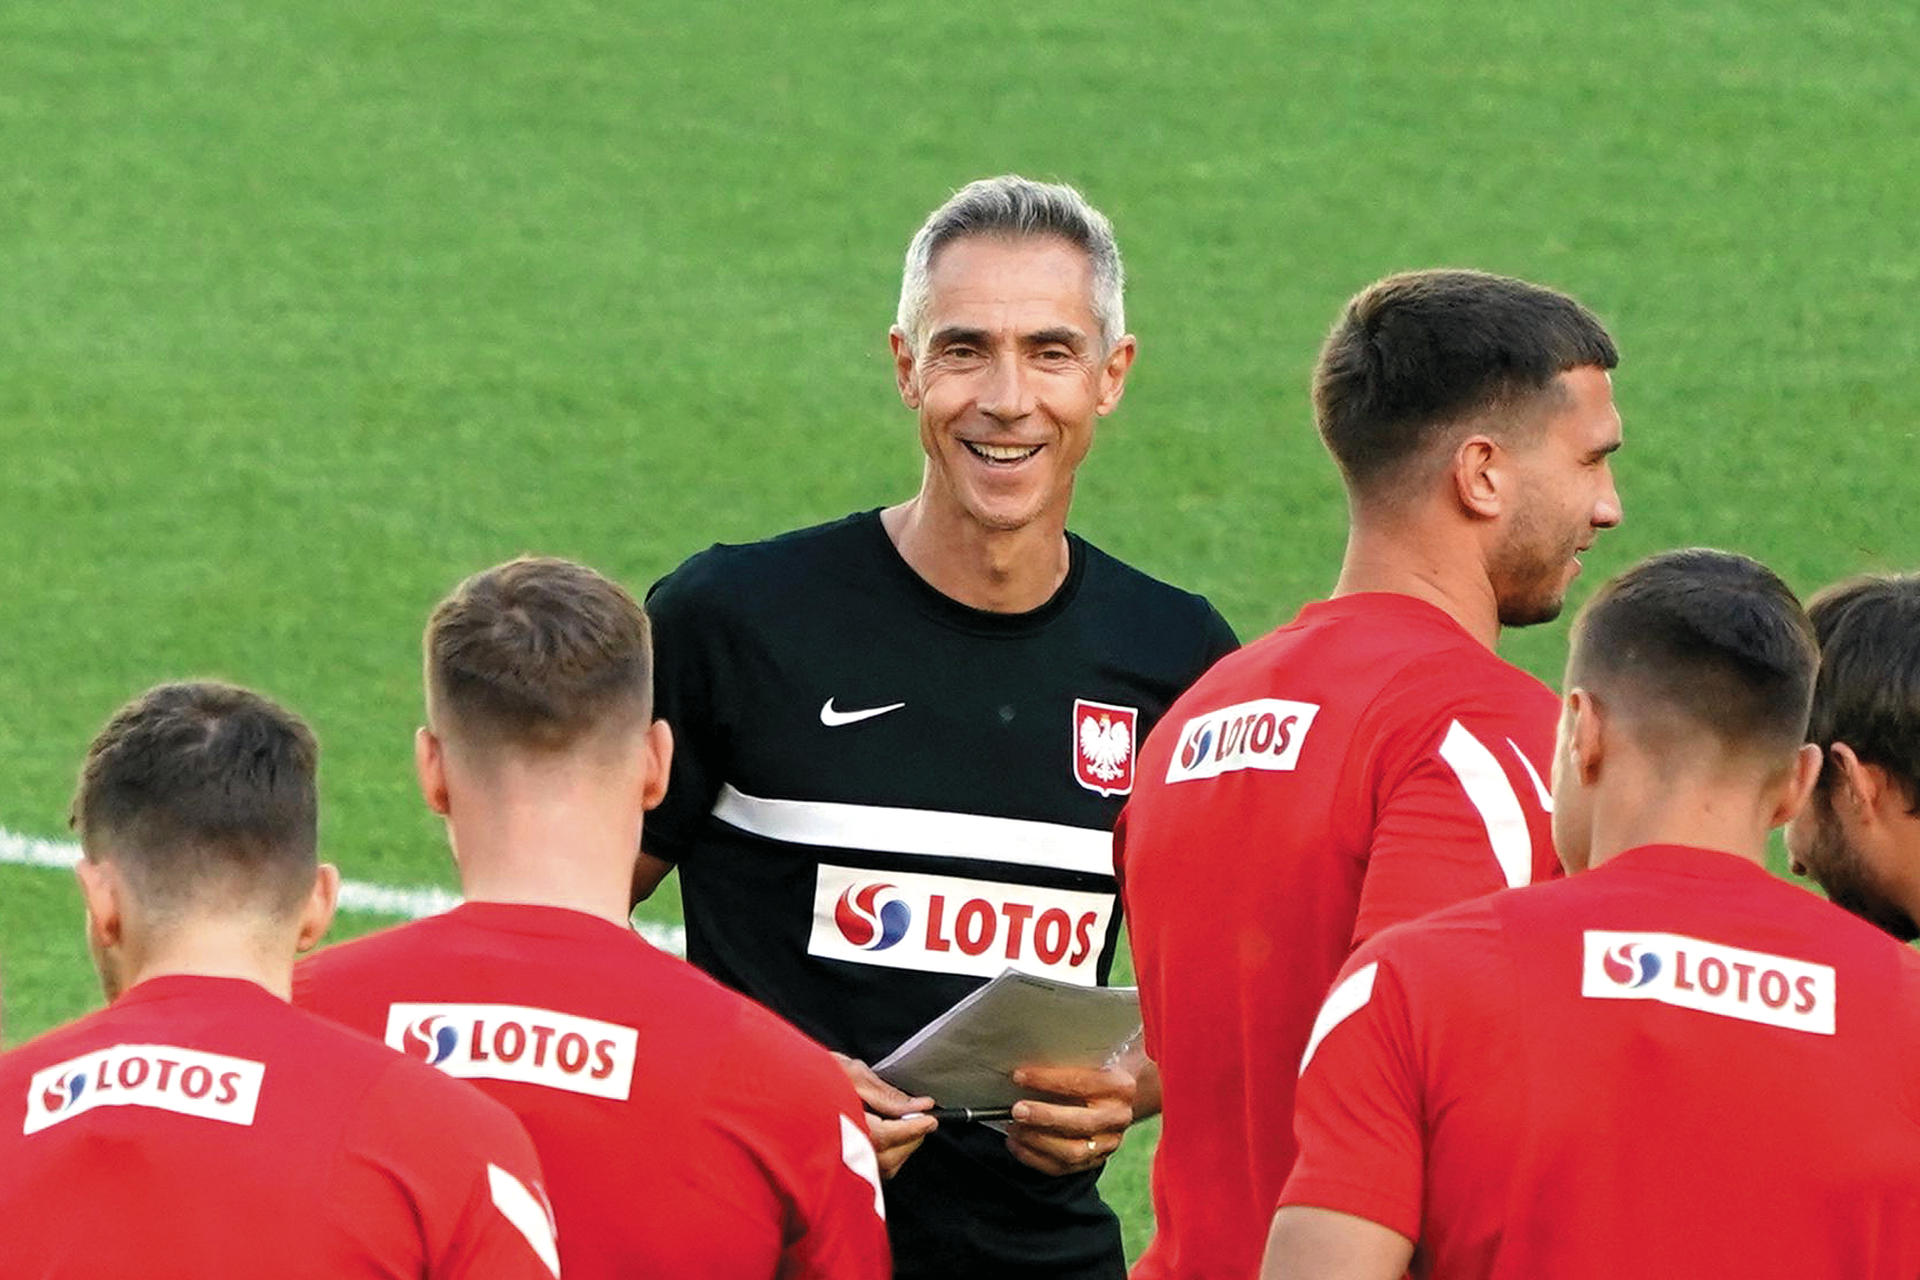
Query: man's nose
[
  {"x": 1007, "y": 395},
  {"x": 1608, "y": 513}
]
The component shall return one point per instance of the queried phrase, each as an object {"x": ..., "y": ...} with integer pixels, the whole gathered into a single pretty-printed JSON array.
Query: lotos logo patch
[
  {"x": 1709, "y": 977},
  {"x": 1266, "y": 733},
  {"x": 432, "y": 1040},
  {"x": 1630, "y": 966},
  {"x": 870, "y": 921},
  {"x": 164, "y": 1077},
  {"x": 64, "y": 1092},
  {"x": 945, "y": 924},
  {"x": 514, "y": 1042},
  {"x": 1103, "y": 742}
]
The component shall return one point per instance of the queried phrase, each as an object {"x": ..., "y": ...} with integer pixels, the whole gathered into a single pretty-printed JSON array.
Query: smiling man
[
  {"x": 903, "y": 737},
  {"x": 1373, "y": 760}
]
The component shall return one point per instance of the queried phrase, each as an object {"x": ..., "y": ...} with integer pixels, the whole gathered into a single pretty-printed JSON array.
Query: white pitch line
[{"x": 355, "y": 895}]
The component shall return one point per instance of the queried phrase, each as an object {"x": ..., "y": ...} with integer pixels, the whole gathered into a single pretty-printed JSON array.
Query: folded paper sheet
[{"x": 966, "y": 1056}]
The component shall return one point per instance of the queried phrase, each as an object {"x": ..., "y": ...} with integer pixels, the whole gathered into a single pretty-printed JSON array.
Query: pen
[{"x": 977, "y": 1114}]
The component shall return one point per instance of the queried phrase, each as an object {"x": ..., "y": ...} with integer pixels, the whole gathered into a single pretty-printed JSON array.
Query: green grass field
[{"x": 312, "y": 308}]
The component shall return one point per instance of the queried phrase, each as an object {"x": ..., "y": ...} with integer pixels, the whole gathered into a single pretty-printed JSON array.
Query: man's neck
[
  {"x": 1408, "y": 561},
  {"x": 210, "y": 949},
  {"x": 546, "y": 857},
  {"x": 1651, "y": 805},
  {"x": 998, "y": 571}
]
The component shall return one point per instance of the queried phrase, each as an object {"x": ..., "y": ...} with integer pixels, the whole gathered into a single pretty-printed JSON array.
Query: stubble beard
[
  {"x": 1847, "y": 880},
  {"x": 1529, "y": 584}
]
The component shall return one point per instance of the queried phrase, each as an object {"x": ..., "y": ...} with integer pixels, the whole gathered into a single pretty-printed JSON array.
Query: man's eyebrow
[
  {"x": 953, "y": 334},
  {"x": 1606, "y": 449},
  {"x": 1059, "y": 335}
]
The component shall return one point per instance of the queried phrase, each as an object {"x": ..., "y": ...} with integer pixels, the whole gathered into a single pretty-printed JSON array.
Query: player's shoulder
[
  {"x": 1464, "y": 932},
  {"x": 1110, "y": 574},
  {"x": 787, "y": 1067},
  {"x": 717, "y": 576},
  {"x": 1430, "y": 689},
  {"x": 1146, "y": 604},
  {"x": 382, "y": 953},
  {"x": 1458, "y": 669},
  {"x": 431, "y": 1099}
]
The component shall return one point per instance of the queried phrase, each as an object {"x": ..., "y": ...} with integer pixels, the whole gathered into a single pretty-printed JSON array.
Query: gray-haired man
[{"x": 903, "y": 737}]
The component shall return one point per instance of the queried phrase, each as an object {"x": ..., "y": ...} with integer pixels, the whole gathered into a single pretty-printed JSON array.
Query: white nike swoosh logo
[
  {"x": 1539, "y": 788},
  {"x": 833, "y": 719}
]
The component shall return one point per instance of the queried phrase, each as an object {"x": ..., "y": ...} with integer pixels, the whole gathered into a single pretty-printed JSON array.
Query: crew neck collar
[
  {"x": 1377, "y": 604},
  {"x": 175, "y": 986},
  {"x": 944, "y": 608},
  {"x": 1689, "y": 860},
  {"x": 538, "y": 920}
]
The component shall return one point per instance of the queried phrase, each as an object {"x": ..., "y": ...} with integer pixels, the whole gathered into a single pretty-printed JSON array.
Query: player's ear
[
  {"x": 430, "y": 766},
  {"x": 1799, "y": 784},
  {"x": 316, "y": 913},
  {"x": 904, "y": 361},
  {"x": 1858, "y": 786},
  {"x": 1586, "y": 735},
  {"x": 1481, "y": 472},
  {"x": 1113, "y": 374},
  {"x": 658, "y": 747},
  {"x": 101, "y": 891}
]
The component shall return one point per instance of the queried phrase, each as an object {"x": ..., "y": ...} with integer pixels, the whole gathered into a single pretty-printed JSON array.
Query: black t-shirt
[{"x": 881, "y": 797}]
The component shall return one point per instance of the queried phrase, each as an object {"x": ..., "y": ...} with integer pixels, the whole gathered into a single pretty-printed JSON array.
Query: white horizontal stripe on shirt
[{"x": 928, "y": 833}]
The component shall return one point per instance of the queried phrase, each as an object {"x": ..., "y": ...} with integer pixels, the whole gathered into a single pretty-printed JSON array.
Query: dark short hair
[
  {"x": 1416, "y": 353},
  {"x": 538, "y": 653},
  {"x": 1709, "y": 639},
  {"x": 1868, "y": 694},
  {"x": 201, "y": 793}
]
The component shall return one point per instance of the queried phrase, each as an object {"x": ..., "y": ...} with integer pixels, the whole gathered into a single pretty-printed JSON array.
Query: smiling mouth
[{"x": 1002, "y": 455}]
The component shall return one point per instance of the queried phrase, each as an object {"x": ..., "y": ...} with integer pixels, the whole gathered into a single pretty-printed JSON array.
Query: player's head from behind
[
  {"x": 1685, "y": 715},
  {"x": 197, "y": 814},
  {"x": 1010, "y": 342},
  {"x": 1458, "y": 401},
  {"x": 539, "y": 683},
  {"x": 1859, "y": 834}
]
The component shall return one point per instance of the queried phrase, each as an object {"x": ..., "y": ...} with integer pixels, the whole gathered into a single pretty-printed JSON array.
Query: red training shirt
[
  {"x": 204, "y": 1127},
  {"x": 1363, "y": 765},
  {"x": 1672, "y": 1066},
  {"x": 685, "y": 1130}
]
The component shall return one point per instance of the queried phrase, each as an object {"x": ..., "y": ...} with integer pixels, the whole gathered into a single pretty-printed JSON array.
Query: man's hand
[
  {"x": 892, "y": 1123},
  {"x": 1071, "y": 1137}
]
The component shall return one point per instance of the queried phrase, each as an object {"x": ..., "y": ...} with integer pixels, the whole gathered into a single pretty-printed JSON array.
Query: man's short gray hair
[{"x": 1016, "y": 208}]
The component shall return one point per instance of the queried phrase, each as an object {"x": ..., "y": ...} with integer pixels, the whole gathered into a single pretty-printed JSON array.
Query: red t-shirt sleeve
[
  {"x": 799, "y": 1111},
  {"x": 1462, "y": 800},
  {"x": 435, "y": 1170},
  {"x": 1359, "y": 1107}
]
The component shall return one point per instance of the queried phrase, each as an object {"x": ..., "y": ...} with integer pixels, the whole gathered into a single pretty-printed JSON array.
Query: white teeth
[{"x": 1003, "y": 452}]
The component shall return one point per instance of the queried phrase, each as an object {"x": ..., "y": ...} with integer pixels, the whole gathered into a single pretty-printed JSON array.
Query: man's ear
[
  {"x": 316, "y": 914},
  {"x": 102, "y": 893},
  {"x": 430, "y": 766},
  {"x": 1800, "y": 783},
  {"x": 658, "y": 748},
  {"x": 1482, "y": 475},
  {"x": 1858, "y": 786},
  {"x": 1587, "y": 735},
  {"x": 1113, "y": 374},
  {"x": 904, "y": 362}
]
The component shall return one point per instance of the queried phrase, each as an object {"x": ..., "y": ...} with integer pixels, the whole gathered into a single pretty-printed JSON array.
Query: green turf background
[{"x": 313, "y": 306}]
